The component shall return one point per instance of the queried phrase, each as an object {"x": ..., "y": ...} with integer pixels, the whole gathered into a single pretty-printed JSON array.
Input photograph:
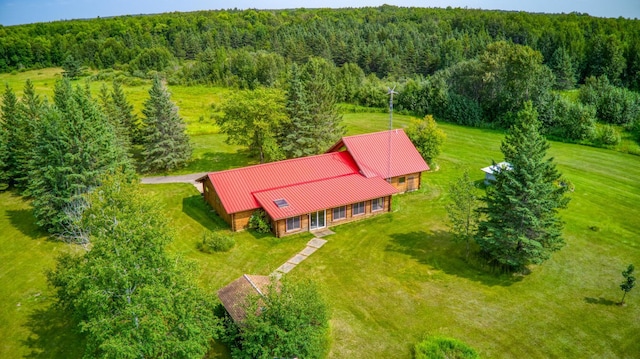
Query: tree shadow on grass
[
  {"x": 196, "y": 208},
  {"x": 53, "y": 334},
  {"x": 25, "y": 222},
  {"x": 601, "y": 301},
  {"x": 436, "y": 249}
]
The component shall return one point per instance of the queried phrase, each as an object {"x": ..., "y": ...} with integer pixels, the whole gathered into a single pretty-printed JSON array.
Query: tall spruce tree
[
  {"x": 522, "y": 226},
  {"x": 75, "y": 148},
  {"x": 22, "y": 123},
  {"x": 8, "y": 121},
  {"x": 165, "y": 142},
  {"x": 311, "y": 105},
  {"x": 124, "y": 113}
]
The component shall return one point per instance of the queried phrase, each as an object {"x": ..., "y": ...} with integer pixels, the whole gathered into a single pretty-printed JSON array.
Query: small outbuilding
[
  {"x": 235, "y": 296},
  {"x": 490, "y": 171}
]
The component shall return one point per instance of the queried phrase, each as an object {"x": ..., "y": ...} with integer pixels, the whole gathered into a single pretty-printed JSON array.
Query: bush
[
  {"x": 444, "y": 348},
  {"x": 216, "y": 242},
  {"x": 259, "y": 221},
  {"x": 427, "y": 138},
  {"x": 608, "y": 136}
]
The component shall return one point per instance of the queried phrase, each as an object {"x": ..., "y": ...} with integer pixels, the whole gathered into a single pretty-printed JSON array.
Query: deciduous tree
[
  {"x": 463, "y": 210},
  {"x": 290, "y": 320},
  {"x": 255, "y": 119},
  {"x": 165, "y": 142},
  {"x": 522, "y": 225},
  {"x": 427, "y": 138},
  {"x": 130, "y": 298},
  {"x": 628, "y": 283}
]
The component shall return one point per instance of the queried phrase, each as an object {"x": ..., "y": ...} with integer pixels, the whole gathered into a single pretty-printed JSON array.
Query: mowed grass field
[{"x": 393, "y": 279}]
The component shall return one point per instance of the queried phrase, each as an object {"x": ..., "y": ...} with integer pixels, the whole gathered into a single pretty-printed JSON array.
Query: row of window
[{"x": 294, "y": 223}]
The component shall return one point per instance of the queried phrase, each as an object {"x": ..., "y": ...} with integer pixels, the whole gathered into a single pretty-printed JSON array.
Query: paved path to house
[
  {"x": 190, "y": 178},
  {"x": 312, "y": 246}
]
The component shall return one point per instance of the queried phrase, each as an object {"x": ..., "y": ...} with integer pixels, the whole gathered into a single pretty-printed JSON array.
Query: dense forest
[{"x": 472, "y": 67}]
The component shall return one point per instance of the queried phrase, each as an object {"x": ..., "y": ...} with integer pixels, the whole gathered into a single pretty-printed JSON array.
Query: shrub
[
  {"x": 608, "y": 136},
  {"x": 427, "y": 138},
  {"x": 444, "y": 348},
  {"x": 259, "y": 221},
  {"x": 216, "y": 242}
]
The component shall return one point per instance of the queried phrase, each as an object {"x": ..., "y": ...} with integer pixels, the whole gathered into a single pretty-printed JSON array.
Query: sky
[{"x": 13, "y": 12}]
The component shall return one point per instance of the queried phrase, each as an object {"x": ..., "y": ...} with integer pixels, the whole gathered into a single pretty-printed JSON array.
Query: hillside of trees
[{"x": 473, "y": 67}]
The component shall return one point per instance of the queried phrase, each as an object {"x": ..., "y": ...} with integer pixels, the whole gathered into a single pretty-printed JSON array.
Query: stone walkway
[{"x": 312, "y": 246}]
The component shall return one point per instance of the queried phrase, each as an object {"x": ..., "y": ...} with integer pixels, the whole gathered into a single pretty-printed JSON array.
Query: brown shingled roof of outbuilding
[{"x": 234, "y": 297}]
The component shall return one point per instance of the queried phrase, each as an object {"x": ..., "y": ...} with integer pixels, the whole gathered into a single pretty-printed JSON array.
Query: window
[
  {"x": 339, "y": 213},
  {"x": 293, "y": 223},
  {"x": 401, "y": 180},
  {"x": 281, "y": 203},
  {"x": 357, "y": 208},
  {"x": 377, "y": 204}
]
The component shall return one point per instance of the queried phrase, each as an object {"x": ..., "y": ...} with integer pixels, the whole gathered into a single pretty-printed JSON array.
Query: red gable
[
  {"x": 315, "y": 196},
  {"x": 236, "y": 187},
  {"x": 371, "y": 153}
]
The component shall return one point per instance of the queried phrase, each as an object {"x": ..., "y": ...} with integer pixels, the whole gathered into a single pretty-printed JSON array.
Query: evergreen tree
[
  {"x": 124, "y": 114},
  {"x": 522, "y": 226},
  {"x": 75, "y": 148},
  {"x": 165, "y": 142},
  {"x": 311, "y": 105},
  {"x": 8, "y": 121},
  {"x": 20, "y": 125},
  {"x": 563, "y": 69},
  {"x": 129, "y": 297},
  {"x": 71, "y": 67}
]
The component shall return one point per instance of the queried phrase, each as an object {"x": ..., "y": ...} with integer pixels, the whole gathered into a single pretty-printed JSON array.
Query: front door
[
  {"x": 410, "y": 186},
  {"x": 317, "y": 220}
]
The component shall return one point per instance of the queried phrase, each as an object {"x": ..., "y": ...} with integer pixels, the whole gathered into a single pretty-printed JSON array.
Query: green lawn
[{"x": 392, "y": 279}]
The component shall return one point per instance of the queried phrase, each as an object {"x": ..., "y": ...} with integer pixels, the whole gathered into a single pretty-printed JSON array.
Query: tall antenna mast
[{"x": 391, "y": 92}]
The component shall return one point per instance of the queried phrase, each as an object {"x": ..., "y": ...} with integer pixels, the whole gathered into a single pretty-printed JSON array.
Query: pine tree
[
  {"x": 311, "y": 106},
  {"x": 522, "y": 225},
  {"x": 75, "y": 148},
  {"x": 21, "y": 124},
  {"x": 165, "y": 142},
  {"x": 124, "y": 113},
  {"x": 72, "y": 68},
  {"x": 7, "y": 129}
]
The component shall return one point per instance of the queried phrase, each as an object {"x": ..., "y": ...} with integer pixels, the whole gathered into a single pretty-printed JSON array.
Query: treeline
[{"x": 385, "y": 41}]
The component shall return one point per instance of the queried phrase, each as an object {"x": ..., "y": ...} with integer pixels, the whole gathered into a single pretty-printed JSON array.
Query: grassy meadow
[{"x": 389, "y": 280}]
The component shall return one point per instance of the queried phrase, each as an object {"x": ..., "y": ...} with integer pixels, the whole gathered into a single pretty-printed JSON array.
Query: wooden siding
[
  {"x": 279, "y": 227},
  {"x": 237, "y": 221},
  {"x": 211, "y": 197},
  {"x": 411, "y": 182}
]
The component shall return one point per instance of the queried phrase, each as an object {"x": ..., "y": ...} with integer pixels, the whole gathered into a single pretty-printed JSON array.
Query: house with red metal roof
[{"x": 355, "y": 179}]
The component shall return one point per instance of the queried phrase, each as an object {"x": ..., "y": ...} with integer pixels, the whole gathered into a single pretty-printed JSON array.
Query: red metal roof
[
  {"x": 323, "y": 194},
  {"x": 236, "y": 187},
  {"x": 371, "y": 153}
]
